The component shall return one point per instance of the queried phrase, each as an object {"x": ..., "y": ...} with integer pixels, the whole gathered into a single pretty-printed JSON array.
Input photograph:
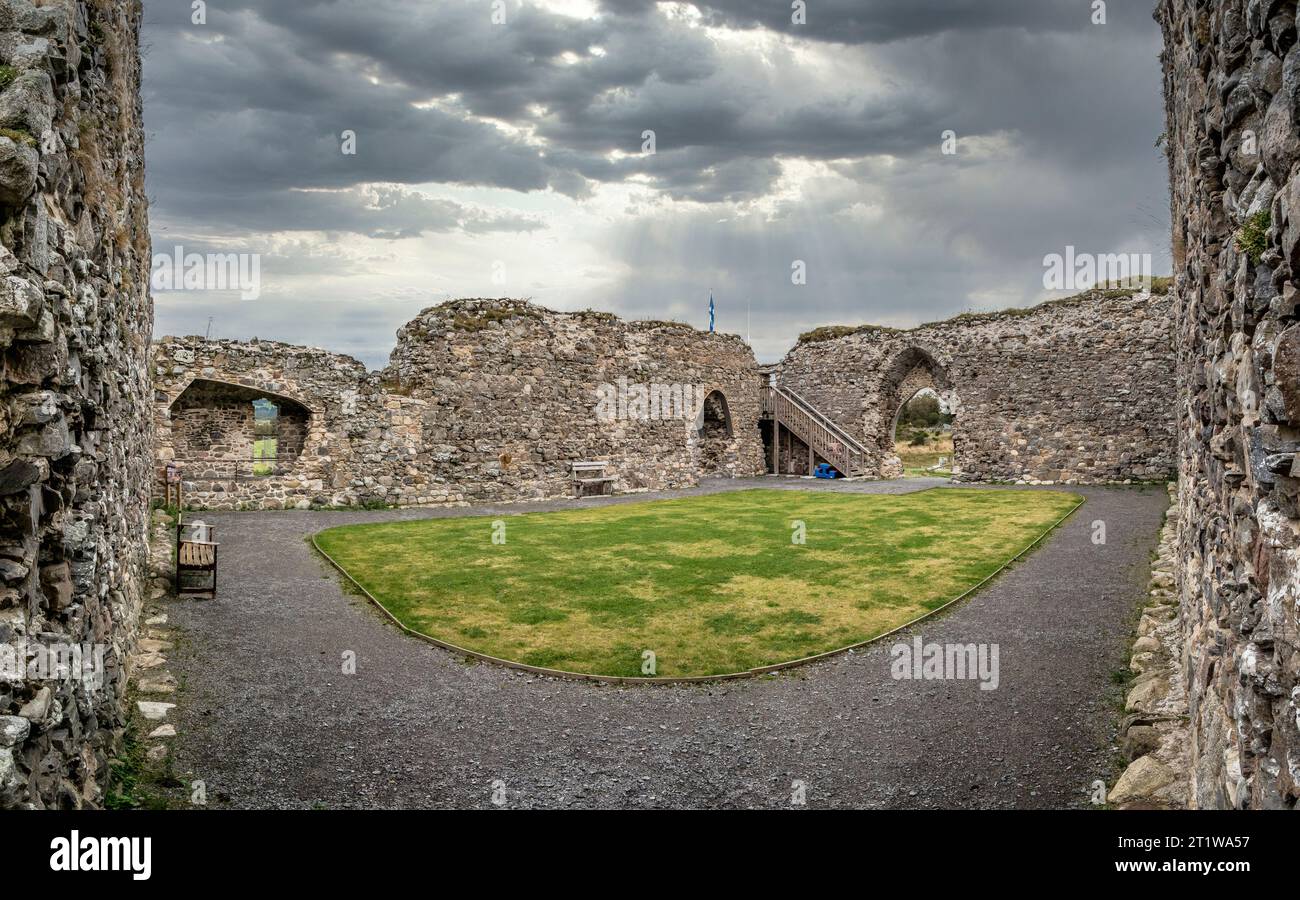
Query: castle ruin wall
[{"x": 1074, "y": 391}]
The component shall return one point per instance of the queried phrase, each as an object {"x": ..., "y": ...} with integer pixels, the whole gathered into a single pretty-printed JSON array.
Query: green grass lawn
[{"x": 711, "y": 584}]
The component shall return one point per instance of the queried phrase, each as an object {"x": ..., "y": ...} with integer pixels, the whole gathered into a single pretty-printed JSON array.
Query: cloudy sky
[{"x": 505, "y": 158}]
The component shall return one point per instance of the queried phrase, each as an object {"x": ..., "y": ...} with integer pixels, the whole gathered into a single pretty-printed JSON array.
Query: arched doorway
[
  {"x": 918, "y": 412},
  {"x": 714, "y": 435},
  {"x": 231, "y": 430}
]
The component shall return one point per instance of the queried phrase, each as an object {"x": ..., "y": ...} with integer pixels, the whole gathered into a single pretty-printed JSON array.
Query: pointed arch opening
[{"x": 918, "y": 408}]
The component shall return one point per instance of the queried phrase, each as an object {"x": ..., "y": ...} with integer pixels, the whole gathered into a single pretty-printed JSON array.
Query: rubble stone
[
  {"x": 1238, "y": 402},
  {"x": 75, "y": 320},
  {"x": 1070, "y": 391}
]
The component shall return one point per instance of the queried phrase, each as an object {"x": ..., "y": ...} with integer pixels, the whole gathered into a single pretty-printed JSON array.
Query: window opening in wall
[
  {"x": 266, "y": 418},
  {"x": 221, "y": 430}
]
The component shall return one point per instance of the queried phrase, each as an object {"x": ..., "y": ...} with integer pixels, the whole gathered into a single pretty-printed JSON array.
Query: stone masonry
[
  {"x": 203, "y": 410},
  {"x": 1074, "y": 390},
  {"x": 1232, "y": 95},
  {"x": 75, "y": 319},
  {"x": 1154, "y": 736},
  {"x": 483, "y": 400}
]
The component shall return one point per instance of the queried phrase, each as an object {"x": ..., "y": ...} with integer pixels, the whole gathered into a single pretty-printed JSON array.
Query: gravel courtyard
[{"x": 267, "y": 719}]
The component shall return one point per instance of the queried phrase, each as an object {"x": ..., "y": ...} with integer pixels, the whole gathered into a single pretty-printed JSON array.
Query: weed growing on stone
[
  {"x": 1252, "y": 238},
  {"x": 137, "y": 783},
  {"x": 18, "y": 136}
]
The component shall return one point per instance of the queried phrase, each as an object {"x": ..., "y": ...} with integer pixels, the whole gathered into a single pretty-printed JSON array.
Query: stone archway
[
  {"x": 714, "y": 435},
  {"x": 236, "y": 430},
  {"x": 909, "y": 373}
]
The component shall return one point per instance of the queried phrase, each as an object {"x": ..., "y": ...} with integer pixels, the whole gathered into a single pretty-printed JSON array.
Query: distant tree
[{"x": 922, "y": 411}]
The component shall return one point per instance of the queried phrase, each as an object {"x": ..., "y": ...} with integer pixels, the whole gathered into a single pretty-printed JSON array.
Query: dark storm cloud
[
  {"x": 240, "y": 105},
  {"x": 1056, "y": 116},
  {"x": 262, "y": 92},
  {"x": 882, "y": 21}
]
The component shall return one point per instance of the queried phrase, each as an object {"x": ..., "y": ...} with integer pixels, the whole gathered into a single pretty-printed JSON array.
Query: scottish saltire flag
[{"x": 710, "y": 310}]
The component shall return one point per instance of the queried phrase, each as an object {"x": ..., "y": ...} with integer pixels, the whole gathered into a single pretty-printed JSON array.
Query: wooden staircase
[{"x": 825, "y": 439}]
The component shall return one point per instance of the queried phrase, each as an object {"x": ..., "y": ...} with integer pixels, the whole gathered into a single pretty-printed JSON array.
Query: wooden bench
[
  {"x": 587, "y": 473},
  {"x": 195, "y": 552}
]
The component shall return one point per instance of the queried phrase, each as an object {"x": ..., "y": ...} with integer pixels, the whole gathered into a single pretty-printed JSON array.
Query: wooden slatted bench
[
  {"x": 591, "y": 473},
  {"x": 196, "y": 552}
]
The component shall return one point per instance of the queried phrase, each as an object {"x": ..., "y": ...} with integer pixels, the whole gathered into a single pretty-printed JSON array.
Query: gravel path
[{"x": 266, "y": 718}]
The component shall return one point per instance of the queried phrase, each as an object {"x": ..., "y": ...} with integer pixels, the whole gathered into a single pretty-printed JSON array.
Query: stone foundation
[{"x": 1154, "y": 734}]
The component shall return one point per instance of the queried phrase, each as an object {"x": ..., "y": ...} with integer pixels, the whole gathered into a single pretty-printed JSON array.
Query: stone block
[
  {"x": 21, "y": 301},
  {"x": 1143, "y": 779},
  {"x": 18, "y": 166}
]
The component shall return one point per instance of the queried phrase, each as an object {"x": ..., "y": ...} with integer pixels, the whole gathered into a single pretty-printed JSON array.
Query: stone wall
[
  {"x": 493, "y": 400},
  {"x": 505, "y": 378},
  {"x": 75, "y": 319},
  {"x": 483, "y": 400},
  {"x": 1232, "y": 93},
  {"x": 203, "y": 408},
  {"x": 214, "y": 422},
  {"x": 1075, "y": 390}
]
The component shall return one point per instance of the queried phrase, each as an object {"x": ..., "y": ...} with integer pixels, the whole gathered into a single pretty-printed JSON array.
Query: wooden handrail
[
  {"x": 823, "y": 420},
  {"x": 823, "y": 436}
]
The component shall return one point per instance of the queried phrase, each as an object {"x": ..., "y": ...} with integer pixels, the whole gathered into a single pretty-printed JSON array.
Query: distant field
[
  {"x": 264, "y": 448},
  {"x": 709, "y": 584},
  {"x": 918, "y": 460}
]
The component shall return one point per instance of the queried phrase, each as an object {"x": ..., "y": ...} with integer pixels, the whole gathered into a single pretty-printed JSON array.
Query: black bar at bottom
[{"x": 326, "y": 848}]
